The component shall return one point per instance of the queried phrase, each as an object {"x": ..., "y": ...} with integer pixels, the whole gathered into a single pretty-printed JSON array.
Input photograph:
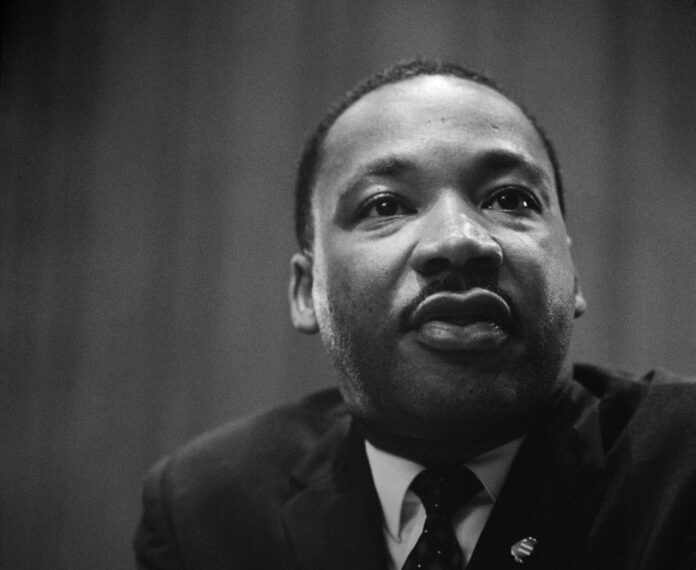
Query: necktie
[{"x": 442, "y": 490}]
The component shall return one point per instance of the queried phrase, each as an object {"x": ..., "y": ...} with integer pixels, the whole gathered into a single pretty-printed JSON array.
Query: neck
[{"x": 429, "y": 452}]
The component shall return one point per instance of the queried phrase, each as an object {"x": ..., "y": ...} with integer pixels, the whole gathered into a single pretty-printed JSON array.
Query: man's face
[{"x": 440, "y": 278}]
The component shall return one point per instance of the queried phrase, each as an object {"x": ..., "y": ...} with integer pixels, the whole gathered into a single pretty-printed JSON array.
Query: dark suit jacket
[{"x": 607, "y": 482}]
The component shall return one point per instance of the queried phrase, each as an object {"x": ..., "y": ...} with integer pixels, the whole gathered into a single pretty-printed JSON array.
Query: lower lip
[{"x": 473, "y": 337}]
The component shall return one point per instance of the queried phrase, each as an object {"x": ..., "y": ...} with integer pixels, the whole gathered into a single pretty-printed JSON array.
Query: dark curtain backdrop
[{"x": 148, "y": 155}]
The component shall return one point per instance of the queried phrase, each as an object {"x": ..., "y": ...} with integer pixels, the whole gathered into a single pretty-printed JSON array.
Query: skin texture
[{"x": 440, "y": 277}]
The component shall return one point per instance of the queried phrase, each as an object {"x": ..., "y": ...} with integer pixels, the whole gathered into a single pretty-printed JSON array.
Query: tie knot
[{"x": 443, "y": 489}]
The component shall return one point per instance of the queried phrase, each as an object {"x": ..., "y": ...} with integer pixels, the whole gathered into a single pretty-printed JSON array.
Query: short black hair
[{"x": 312, "y": 153}]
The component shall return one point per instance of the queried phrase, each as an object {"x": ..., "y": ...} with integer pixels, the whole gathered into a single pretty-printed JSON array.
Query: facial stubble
[{"x": 499, "y": 399}]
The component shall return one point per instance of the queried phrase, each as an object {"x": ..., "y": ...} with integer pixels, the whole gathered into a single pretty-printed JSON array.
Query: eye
[
  {"x": 513, "y": 199},
  {"x": 384, "y": 206}
]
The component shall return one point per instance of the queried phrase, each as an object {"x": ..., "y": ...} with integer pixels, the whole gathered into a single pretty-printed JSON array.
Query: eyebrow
[
  {"x": 492, "y": 160},
  {"x": 392, "y": 166},
  {"x": 506, "y": 160}
]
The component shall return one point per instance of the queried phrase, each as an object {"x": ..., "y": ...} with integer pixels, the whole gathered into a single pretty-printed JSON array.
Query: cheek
[
  {"x": 368, "y": 272},
  {"x": 543, "y": 263},
  {"x": 559, "y": 264}
]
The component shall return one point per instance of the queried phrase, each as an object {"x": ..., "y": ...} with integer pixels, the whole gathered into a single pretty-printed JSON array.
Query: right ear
[{"x": 302, "y": 312}]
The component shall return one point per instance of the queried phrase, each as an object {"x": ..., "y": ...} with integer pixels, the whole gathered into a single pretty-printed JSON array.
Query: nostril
[
  {"x": 436, "y": 265},
  {"x": 470, "y": 245}
]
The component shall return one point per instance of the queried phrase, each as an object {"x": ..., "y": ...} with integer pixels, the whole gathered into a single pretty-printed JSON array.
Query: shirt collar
[{"x": 393, "y": 474}]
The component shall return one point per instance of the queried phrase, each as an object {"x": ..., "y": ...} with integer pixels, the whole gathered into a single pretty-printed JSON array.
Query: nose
[{"x": 451, "y": 239}]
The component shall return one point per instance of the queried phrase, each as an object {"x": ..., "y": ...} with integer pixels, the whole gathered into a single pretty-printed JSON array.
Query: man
[{"x": 436, "y": 266}]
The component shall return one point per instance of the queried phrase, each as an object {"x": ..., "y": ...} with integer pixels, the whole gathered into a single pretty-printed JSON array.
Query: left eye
[
  {"x": 384, "y": 206},
  {"x": 512, "y": 200}
]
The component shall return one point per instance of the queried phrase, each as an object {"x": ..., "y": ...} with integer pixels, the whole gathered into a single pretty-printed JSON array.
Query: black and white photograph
[{"x": 348, "y": 285}]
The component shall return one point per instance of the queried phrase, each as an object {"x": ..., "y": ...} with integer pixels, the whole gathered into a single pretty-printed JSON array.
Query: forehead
[{"x": 426, "y": 116}]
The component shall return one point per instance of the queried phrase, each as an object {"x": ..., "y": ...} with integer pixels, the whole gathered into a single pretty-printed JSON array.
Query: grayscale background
[{"x": 146, "y": 179}]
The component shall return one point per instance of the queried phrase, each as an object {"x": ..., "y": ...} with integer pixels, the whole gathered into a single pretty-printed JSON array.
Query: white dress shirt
[{"x": 404, "y": 514}]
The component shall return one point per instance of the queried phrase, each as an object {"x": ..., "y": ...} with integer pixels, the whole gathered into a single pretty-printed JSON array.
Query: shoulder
[
  {"x": 215, "y": 502},
  {"x": 269, "y": 441},
  {"x": 658, "y": 406},
  {"x": 647, "y": 481},
  {"x": 657, "y": 387}
]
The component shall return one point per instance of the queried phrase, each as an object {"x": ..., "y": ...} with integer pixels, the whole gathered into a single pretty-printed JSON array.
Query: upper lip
[{"x": 474, "y": 305}]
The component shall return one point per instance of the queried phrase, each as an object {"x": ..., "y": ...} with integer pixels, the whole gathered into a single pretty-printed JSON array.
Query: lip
[{"x": 473, "y": 321}]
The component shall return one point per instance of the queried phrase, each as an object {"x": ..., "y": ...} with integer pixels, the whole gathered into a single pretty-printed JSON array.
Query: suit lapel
[
  {"x": 553, "y": 489},
  {"x": 334, "y": 521},
  {"x": 551, "y": 492}
]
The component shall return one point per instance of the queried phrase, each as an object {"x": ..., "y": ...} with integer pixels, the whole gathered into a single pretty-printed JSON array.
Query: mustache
[{"x": 451, "y": 283}]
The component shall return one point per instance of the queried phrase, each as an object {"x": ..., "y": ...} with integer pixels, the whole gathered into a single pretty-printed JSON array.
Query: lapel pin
[{"x": 523, "y": 549}]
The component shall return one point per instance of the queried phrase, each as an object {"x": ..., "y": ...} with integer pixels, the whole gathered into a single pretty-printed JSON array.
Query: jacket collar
[
  {"x": 334, "y": 521},
  {"x": 552, "y": 491}
]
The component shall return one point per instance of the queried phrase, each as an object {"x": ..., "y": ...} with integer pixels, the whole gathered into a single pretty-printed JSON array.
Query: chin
[{"x": 469, "y": 414}]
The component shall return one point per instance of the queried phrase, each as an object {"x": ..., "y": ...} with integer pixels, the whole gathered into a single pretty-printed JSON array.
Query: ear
[
  {"x": 580, "y": 303},
  {"x": 300, "y": 293}
]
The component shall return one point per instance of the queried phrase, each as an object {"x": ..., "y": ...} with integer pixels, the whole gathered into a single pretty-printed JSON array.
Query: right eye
[{"x": 384, "y": 206}]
